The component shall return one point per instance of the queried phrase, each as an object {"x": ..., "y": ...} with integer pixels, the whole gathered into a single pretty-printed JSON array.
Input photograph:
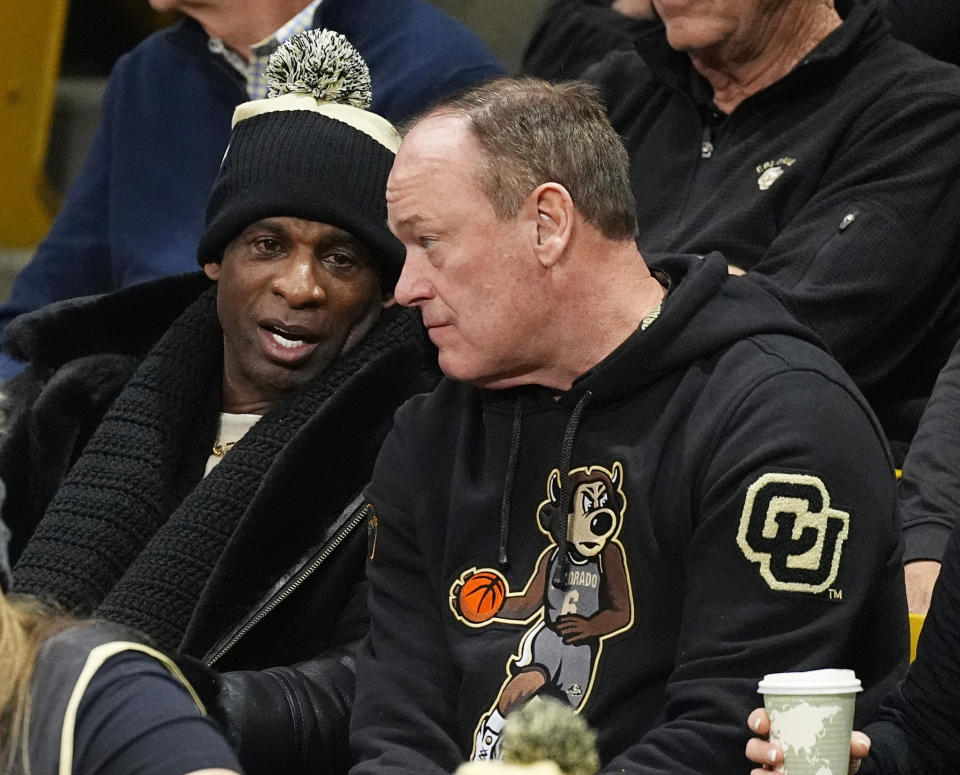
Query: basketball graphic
[{"x": 481, "y": 596}]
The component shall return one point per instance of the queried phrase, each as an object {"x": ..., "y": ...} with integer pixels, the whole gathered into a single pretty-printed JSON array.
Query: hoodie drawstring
[
  {"x": 562, "y": 509},
  {"x": 512, "y": 463},
  {"x": 566, "y": 451}
]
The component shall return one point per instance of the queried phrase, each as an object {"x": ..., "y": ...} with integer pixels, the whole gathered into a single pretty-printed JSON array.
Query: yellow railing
[
  {"x": 31, "y": 38},
  {"x": 916, "y": 624}
]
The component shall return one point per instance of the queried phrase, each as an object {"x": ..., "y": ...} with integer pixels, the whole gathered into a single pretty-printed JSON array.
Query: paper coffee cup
[{"x": 811, "y": 717}]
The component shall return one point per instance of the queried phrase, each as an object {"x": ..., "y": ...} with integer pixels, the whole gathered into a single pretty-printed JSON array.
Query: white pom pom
[{"x": 322, "y": 63}]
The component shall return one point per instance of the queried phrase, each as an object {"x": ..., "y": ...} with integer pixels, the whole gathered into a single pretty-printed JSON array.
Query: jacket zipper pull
[{"x": 847, "y": 220}]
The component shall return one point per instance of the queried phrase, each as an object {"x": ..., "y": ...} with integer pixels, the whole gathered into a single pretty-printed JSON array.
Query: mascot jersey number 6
[{"x": 571, "y": 603}]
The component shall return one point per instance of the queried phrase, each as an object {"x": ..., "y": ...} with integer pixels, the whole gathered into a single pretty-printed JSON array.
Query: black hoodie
[{"x": 678, "y": 590}]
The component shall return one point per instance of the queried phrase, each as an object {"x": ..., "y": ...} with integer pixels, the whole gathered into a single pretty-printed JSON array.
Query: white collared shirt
[{"x": 253, "y": 71}]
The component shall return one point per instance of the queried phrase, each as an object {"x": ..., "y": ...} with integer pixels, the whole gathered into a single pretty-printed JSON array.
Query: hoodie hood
[{"x": 706, "y": 311}]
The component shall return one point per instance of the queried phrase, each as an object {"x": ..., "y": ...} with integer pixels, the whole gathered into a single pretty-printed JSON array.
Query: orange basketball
[{"x": 481, "y": 596}]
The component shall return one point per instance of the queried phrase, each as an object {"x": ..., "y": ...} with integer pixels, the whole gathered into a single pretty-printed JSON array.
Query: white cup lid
[{"x": 829, "y": 681}]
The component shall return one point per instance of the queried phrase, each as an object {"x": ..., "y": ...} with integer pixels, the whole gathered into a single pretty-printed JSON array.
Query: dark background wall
[{"x": 504, "y": 24}]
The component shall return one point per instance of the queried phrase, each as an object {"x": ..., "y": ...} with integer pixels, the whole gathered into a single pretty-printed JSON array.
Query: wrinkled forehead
[
  {"x": 438, "y": 159},
  {"x": 443, "y": 138}
]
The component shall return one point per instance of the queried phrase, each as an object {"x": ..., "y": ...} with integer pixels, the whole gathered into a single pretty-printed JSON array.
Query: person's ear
[
  {"x": 554, "y": 212},
  {"x": 212, "y": 270}
]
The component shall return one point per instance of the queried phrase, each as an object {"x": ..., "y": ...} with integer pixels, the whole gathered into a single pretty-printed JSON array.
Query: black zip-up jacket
[
  {"x": 837, "y": 188},
  {"x": 572, "y": 35},
  {"x": 121, "y": 399},
  {"x": 730, "y": 514}
]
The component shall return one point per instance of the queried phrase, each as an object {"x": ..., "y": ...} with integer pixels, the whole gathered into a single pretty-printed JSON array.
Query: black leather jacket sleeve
[{"x": 295, "y": 719}]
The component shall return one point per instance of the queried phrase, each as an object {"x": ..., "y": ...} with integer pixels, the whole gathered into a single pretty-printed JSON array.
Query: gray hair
[{"x": 534, "y": 132}]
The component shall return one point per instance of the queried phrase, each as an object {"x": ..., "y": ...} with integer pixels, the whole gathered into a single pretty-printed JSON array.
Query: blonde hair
[{"x": 25, "y": 624}]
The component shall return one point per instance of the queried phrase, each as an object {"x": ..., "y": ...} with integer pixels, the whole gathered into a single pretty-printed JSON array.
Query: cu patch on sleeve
[{"x": 790, "y": 531}]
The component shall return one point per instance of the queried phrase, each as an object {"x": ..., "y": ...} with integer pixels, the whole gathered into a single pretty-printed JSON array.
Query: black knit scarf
[{"x": 135, "y": 532}]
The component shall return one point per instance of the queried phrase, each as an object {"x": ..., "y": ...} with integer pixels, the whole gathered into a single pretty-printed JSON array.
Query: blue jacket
[{"x": 136, "y": 210}]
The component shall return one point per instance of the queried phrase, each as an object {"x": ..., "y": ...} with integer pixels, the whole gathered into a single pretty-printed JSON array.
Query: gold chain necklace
[{"x": 222, "y": 449}]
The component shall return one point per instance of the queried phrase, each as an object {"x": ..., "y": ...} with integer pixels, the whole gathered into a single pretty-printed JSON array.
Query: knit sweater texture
[
  {"x": 134, "y": 533},
  {"x": 257, "y": 569}
]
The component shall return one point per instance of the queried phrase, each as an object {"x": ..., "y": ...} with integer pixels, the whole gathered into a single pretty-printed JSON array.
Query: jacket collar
[{"x": 863, "y": 27}]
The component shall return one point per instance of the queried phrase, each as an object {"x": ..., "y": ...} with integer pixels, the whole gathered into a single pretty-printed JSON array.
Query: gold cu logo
[{"x": 789, "y": 529}]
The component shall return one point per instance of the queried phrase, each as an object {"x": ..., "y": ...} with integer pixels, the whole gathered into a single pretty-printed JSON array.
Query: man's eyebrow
[
  {"x": 340, "y": 238},
  {"x": 345, "y": 239},
  {"x": 409, "y": 222},
  {"x": 269, "y": 224}
]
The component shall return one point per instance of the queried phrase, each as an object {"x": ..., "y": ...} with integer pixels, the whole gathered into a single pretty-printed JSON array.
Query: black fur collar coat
[{"x": 260, "y": 564}]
